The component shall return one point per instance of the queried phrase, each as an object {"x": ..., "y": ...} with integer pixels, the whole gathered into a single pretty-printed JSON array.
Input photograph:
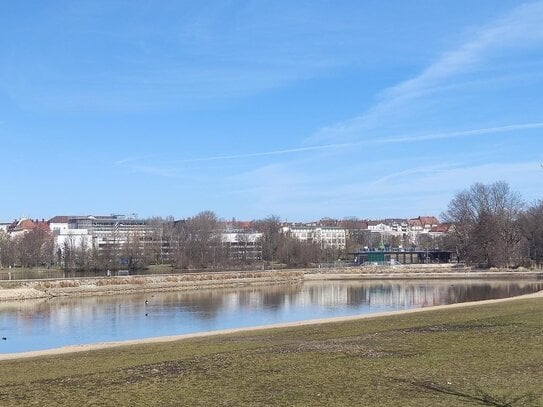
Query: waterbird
[
  {"x": 4, "y": 338},
  {"x": 146, "y": 302}
]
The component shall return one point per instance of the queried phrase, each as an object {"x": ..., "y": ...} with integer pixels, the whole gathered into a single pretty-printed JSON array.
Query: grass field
[{"x": 482, "y": 355}]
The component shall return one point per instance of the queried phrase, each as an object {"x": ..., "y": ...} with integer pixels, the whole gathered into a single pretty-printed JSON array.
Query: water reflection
[{"x": 43, "y": 324}]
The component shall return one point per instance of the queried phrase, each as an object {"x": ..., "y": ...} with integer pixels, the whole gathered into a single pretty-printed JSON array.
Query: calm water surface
[{"x": 45, "y": 324}]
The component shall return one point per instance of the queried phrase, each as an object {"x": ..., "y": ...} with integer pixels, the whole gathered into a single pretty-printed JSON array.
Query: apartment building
[{"x": 327, "y": 236}]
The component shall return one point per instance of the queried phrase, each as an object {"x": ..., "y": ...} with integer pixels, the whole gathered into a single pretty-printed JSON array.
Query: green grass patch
[{"x": 482, "y": 355}]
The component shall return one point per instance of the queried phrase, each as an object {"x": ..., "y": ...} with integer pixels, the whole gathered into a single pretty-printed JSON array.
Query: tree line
[
  {"x": 193, "y": 243},
  {"x": 491, "y": 226}
]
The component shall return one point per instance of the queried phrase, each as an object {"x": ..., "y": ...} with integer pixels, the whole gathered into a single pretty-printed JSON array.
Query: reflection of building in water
[
  {"x": 94, "y": 319},
  {"x": 331, "y": 295},
  {"x": 401, "y": 294}
]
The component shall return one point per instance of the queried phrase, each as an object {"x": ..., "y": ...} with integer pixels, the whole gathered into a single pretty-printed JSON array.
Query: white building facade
[{"x": 327, "y": 237}]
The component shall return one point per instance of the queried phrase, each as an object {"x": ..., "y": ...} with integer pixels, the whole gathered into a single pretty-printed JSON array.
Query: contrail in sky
[
  {"x": 402, "y": 139},
  {"x": 323, "y": 147}
]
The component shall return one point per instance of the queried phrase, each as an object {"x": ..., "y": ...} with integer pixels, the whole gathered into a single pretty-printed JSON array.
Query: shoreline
[
  {"x": 20, "y": 290},
  {"x": 173, "y": 338}
]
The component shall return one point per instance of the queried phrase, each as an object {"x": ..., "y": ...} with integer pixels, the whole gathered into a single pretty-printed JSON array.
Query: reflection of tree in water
[
  {"x": 276, "y": 299},
  {"x": 409, "y": 293},
  {"x": 208, "y": 304},
  {"x": 483, "y": 291}
]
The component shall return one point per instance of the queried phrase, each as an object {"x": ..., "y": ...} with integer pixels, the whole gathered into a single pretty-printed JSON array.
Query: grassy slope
[{"x": 449, "y": 357}]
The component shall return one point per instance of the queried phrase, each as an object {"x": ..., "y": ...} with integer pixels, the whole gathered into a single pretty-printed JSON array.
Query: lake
[{"x": 57, "y": 322}]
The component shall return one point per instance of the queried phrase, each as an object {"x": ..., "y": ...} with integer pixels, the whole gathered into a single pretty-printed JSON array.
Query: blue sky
[{"x": 299, "y": 109}]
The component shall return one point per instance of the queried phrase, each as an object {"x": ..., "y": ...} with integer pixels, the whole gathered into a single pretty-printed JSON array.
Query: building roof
[
  {"x": 328, "y": 222},
  {"x": 376, "y": 222},
  {"x": 415, "y": 222},
  {"x": 59, "y": 219},
  {"x": 25, "y": 224},
  {"x": 443, "y": 228},
  {"x": 396, "y": 220},
  {"x": 429, "y": 220},
  {"x": 354, "y": 224}
]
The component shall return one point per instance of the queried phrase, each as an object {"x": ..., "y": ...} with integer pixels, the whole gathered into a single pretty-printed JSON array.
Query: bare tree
[
  {"x": 531, "y": 223},
  {"x": 271, "y": 236},
  {"x": 486, "y": 227},
  {"x": 35, "y": 248},
  {"x": 199, "y": 244},
  {"x": 158, "y": 240},
  {"x": 132, "y": 250},
  {"x": 7, "y": 250},
  {"x": 296, "y": 253}
]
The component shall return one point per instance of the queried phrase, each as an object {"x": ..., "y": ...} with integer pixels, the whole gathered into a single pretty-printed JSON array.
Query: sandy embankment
[
  {"x": 23, "y": 293},
  {"x": 164, "y": 339},
  {"x": 32, "y": 289}
]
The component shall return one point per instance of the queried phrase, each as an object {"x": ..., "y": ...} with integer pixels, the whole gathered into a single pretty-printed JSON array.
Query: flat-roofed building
[
  {"x": 98, "y": 232},
  {"x": 242, "y": 244},
  {"x": 327, "y": 237}
]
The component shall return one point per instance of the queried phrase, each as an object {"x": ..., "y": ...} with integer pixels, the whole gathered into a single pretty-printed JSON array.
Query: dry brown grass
[
  {"x": 45, "y": 285},
  {"x": 122, "y": 281},
  {"x": 159, "y": 281}
]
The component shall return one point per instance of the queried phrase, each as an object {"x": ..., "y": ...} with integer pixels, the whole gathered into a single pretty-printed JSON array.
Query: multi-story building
[
  {"x": 423, "y": 224},
  {"x": 331, "y": 237},
  {"x": 98, "y": 232},
  {"x": 242, "y": 244},
  {"x": 116, "y": 231},
  {"x": 440, "y": 230},
  {"x": 393, "y": 227},
  {"x": 399, "y": 226},
  {"x": 327, "y": 237},
  {"x": 379, "y": 226}
]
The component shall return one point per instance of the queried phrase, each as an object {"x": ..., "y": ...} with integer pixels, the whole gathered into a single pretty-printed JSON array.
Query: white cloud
[{"x": 522, "y": 28}]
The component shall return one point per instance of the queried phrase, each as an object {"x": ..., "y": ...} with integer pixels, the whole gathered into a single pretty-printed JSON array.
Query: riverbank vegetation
[{"x": 485, "y": 354}]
